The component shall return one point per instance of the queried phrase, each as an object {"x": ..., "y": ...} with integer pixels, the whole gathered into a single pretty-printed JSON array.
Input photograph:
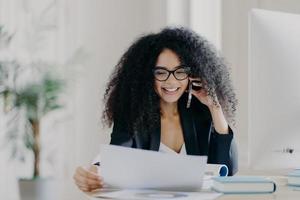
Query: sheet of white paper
[
  {"x": 129, "y": 168},
  {"x": 157, "y": 195}
]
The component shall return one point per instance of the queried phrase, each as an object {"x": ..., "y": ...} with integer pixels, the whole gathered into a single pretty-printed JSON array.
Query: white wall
[{"x": 205, "y": 19}]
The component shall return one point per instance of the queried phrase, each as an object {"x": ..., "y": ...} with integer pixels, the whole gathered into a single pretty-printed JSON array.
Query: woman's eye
[
  {"x": 160, "y": 72},
  {"x": 181, "y": 72}
]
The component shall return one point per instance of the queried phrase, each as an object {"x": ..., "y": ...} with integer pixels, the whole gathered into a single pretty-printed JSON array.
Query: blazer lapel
[{"x": 189, "y": 130}]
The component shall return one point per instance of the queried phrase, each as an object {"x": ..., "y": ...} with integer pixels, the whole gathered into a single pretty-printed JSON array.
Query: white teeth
[{"x": 171, "y": 89}]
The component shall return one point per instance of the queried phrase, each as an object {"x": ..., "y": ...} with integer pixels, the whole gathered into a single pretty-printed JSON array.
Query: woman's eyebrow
[{"x": 162, "y": 67}]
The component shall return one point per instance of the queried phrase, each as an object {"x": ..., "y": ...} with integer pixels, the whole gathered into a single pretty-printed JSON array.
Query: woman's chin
[{"x": 170, "y": 99}]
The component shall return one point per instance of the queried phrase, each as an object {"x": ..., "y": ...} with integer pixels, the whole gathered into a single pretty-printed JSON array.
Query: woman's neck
[{"x": 168, "y": 109}]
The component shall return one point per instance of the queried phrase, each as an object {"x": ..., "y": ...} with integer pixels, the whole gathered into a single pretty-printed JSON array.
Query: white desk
[{"x": 283, "y": 192}]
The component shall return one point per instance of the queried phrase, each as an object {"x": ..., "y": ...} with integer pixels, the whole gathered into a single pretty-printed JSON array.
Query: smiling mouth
[{"x": 170, "y": 90}]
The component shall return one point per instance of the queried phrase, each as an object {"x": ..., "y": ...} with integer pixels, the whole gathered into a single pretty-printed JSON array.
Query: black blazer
[{"x": 199, "y": 136}]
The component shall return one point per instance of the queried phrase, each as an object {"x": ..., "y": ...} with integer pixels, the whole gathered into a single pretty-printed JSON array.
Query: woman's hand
[
  {"x": 88, "y": 179},
  {"x": 202, "y": 94},
  {"x": 219, "y": 121}
]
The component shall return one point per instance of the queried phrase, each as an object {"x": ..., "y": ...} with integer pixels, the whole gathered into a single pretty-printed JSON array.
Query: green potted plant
[{"x": 36, "y": 97}]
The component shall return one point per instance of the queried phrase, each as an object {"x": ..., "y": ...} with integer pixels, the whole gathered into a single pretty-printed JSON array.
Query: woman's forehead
[{"x": 168, "y": 59}]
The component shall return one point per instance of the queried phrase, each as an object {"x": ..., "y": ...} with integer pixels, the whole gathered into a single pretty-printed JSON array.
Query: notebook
[{"x": 243, "y": 185}]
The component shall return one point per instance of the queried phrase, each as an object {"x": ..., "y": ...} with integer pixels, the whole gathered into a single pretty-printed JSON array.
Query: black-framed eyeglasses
[{"x": 162, "y": 74}]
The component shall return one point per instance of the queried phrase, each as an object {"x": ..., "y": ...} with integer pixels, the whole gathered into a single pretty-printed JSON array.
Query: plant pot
[{"x": 39, "y": 189}]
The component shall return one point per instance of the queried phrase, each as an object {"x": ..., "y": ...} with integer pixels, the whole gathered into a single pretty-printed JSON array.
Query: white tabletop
[{"x": 283, "y": 192}]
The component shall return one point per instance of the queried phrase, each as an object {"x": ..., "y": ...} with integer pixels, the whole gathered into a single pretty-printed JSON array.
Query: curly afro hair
[{"x": 130, "y": 98}]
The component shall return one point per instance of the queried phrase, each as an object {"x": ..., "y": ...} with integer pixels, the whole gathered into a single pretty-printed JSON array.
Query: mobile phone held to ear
[
  {"x": 196, "y": 85},
  {"x": 189, "y": 95},
  {"x": 193, "y": 85}
]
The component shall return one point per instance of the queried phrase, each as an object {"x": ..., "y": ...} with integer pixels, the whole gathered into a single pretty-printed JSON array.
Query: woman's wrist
[
  {"x": 214, "y": 107},
  {"x": 219, "y": 121}
]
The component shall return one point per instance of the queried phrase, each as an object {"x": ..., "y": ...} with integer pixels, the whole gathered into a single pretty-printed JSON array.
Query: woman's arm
[
  {"x": 214, "y": 107},
  {"x": 218, "y": 118},
  {"x": 222, "y": 148}
]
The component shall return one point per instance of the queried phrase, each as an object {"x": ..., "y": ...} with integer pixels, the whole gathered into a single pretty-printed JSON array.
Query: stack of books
[
  {"x": 294, "y": 178},
  {"x": 243, "y": 185}
]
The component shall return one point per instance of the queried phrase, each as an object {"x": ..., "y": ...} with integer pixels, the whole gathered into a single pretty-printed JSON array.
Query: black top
[{"x": 199, "y": 136}]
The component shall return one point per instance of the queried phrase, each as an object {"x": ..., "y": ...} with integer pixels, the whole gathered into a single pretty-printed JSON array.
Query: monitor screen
[{"x": 274, "y": 90}]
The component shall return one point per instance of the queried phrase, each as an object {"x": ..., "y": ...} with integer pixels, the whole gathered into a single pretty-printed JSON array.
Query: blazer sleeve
[
  {"x": 222, "y": 150},
  {"x": 121, "y": 136}
]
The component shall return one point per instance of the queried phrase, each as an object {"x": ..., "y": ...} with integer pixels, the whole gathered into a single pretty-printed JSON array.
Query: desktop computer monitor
[{"x": 274, "y": 90}]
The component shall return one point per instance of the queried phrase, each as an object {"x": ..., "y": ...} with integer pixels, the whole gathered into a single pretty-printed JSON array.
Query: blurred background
[{"x": 80, "y": 41}]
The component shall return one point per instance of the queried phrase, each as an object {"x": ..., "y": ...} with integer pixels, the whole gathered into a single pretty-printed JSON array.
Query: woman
[{"x": 147, "y": 101}]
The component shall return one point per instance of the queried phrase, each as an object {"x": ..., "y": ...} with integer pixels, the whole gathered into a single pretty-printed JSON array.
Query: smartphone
[
  {"x": 189, "y": 94},
  {"x": 193, "y": 85}
]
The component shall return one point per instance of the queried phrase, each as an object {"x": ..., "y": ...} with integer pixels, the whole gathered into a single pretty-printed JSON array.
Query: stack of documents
[{"x": 129, "y": 168}]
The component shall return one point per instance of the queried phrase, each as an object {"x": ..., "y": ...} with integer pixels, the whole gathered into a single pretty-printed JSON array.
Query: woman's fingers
[
  {"x": 84, "y": 189},
  {"x": 194, "y": 79},
  {"x": 85, "y": 173},
  {"x": 201, "y": 92},
  {"x": 89, "y": 187},
  {"x": 93, "y": 168},
  {"x": 88, "y": 179}
]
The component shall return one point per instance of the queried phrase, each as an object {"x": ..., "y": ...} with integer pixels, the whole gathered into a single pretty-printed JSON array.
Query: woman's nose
[{"x": 171, "y": 78}]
